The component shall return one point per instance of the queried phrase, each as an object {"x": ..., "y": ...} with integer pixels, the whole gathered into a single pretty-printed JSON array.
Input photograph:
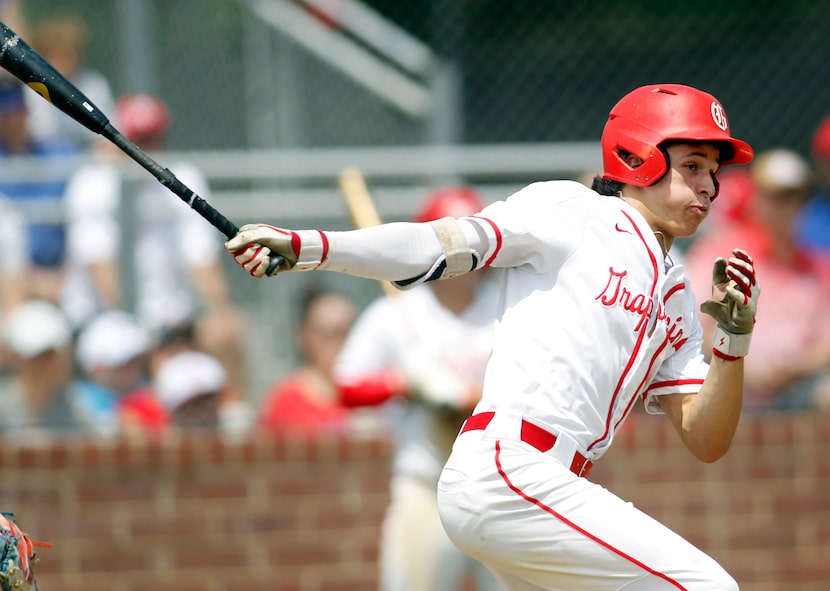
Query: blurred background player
[
  {"x": 308, "y": 399},
  {"x": 62, "y": 38},
  {"x": 790, "y": 362},
  {"x": 425, "y": 351},
  {"x": 171, "y": 297}
]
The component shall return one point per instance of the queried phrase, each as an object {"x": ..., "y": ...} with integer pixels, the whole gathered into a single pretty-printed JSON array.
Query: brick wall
[{"x": 279, "y": 514}]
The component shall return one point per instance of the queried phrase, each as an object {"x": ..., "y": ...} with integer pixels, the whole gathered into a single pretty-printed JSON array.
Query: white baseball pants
[{"x": 539, "y": 527}]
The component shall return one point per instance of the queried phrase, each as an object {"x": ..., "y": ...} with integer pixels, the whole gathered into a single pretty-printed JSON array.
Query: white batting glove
[
  {"x": 735, "y": 292},
  {"x": 252, "y": 246},
  {"x": 433, "y": 382}
]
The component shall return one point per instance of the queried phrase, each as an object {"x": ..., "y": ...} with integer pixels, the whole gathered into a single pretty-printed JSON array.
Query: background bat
[
  {"x": 361, "y": 207},
  {"x": 18, "y": 58}
]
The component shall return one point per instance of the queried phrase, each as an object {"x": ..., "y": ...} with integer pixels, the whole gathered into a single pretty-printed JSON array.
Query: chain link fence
[{"x": 273, "y": 97}]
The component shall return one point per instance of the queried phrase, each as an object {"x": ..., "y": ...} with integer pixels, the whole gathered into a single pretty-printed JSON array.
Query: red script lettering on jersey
[{"x": 615, "y": 293}]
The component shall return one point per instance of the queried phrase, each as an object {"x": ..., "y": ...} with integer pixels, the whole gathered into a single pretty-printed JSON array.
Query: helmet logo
[{"x": 719, "y": 116}]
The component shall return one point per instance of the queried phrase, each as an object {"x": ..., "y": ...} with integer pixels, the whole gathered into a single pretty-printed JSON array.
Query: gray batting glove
[
  {"x": 735, "y": 292},
  {"x": 252, "y": 247}
]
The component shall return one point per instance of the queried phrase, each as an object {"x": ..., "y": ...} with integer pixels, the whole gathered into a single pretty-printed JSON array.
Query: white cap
[
  {"x": 36, "y": 326},
  {"x": 111, "y": 339},
  {"x": 781, "y": 169},
  {"x": 187, "y": 375}
]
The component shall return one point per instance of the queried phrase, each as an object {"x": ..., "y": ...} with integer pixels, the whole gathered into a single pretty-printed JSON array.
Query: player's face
[{"x": 680, "y": 201}]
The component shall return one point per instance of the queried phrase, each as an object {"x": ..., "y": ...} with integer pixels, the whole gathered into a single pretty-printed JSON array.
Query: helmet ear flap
[{"x": 623, "y": 138}]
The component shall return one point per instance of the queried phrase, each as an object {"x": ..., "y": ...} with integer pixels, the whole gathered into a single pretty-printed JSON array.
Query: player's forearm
[
  {"x": 392, "y": 252},
  {"x": 711, "y": 417}
]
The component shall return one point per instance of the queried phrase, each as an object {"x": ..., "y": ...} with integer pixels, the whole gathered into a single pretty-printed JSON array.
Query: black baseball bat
[{"x": 23, "y": 62}]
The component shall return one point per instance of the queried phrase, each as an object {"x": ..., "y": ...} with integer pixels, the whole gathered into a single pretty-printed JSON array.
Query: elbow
[{"x": 710, "y": 453}]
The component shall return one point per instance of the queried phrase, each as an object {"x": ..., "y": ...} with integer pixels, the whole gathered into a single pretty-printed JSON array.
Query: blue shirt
[
  {"x": 813, "y": 226},
  {"x": 47, "y": 240}
]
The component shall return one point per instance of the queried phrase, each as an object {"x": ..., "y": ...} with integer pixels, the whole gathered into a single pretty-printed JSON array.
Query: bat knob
[{"x": 274, "y": 265}]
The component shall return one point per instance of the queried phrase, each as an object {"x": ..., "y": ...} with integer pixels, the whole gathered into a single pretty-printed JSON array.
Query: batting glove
[
  {"x": 735, "y": 292},
  {"x": 253, "y": 246},
  {"x": 433, "y": 382}
]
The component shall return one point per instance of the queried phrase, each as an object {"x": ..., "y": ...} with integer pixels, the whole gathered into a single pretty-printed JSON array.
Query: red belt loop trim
[{"x": 532, "y": 435}]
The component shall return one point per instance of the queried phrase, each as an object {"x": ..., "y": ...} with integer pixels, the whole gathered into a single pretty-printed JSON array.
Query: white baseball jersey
[
  {"x": 163, "y": 224},
  {"x": 593, "y": 318}
]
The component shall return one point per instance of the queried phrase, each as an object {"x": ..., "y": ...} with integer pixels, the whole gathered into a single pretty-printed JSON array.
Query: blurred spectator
[
  {"x": 193, "y": 292},
  {"x": 190, "y": 385},
  {"x": 113, "y": 359},
  {"x": 11, "y": 14},
  {"x": 307, "y": 399},
  {"x": 38, "y": 395},
  {"x": 14, "y": 251},
  {"x": 36, "y": 186},
  {"x": 787, "y": 369},
  {"x": 62, "y": 39},
  {"x": 424, "y": 351},
  {"x": 814, "y": 219}
]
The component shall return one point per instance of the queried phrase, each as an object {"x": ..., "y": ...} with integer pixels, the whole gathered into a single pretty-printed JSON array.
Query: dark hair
[{"x": 606, "y": 186}]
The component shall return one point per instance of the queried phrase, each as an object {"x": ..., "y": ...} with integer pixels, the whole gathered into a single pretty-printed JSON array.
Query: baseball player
[
  {"x": 426, "y": 350},
  {"x": 594, "y": 318}
]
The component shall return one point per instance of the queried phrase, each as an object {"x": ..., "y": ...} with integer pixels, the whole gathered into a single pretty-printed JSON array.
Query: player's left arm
[{"x": 706, "y": 421}]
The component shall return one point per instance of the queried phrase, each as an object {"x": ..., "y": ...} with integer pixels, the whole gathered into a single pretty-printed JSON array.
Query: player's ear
[{"x": 633, "y": 160}]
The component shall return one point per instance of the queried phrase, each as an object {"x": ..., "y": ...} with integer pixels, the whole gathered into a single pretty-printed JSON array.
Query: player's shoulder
[
  {"x": 556, "y": 190},
  {"x": 554, "y": 198}
]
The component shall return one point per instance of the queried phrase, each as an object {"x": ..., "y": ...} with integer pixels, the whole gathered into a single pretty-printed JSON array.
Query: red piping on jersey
[
  {"x": 640, "y": 386},
  {"x": 325, "y": 253},
  {"x": 498, "y": 239},
  {"x": 637, "y": 345},
  {"x": 574, "y": 526},
  {"x": 636, "y": 397},
  {"x": 673, "y": 290},
  {"x": 687, "y": 382}
]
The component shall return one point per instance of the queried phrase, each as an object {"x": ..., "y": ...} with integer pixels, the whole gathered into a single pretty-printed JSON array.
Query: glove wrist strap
[
  {"x": 729, "y": 346},
  {"x": 313, "y": 251}
]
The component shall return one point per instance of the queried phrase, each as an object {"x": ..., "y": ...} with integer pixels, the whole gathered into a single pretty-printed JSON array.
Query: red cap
[
  {"x": 140, "y": 116},
  {"x": 821, "y": 140},
  {"x": 737, "y": 190},
  {"x": 449, "y": 202}
]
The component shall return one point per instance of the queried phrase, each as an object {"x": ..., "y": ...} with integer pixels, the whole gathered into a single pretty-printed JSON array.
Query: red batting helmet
[
  {"x": 141, "y": 116},
  {"x": 648, "y": 116},
  {"x": 451, "y": 201}
]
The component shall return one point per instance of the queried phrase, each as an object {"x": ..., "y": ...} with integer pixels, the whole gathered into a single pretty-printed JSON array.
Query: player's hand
[
  {"x": 735, "y": 292},
  {"x": 252, "y": 247},
  {"x": 433, "y": 382}
]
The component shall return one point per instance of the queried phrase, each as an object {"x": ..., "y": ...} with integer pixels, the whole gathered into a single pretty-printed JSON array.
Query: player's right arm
[{"x": 531, "y": 228}]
